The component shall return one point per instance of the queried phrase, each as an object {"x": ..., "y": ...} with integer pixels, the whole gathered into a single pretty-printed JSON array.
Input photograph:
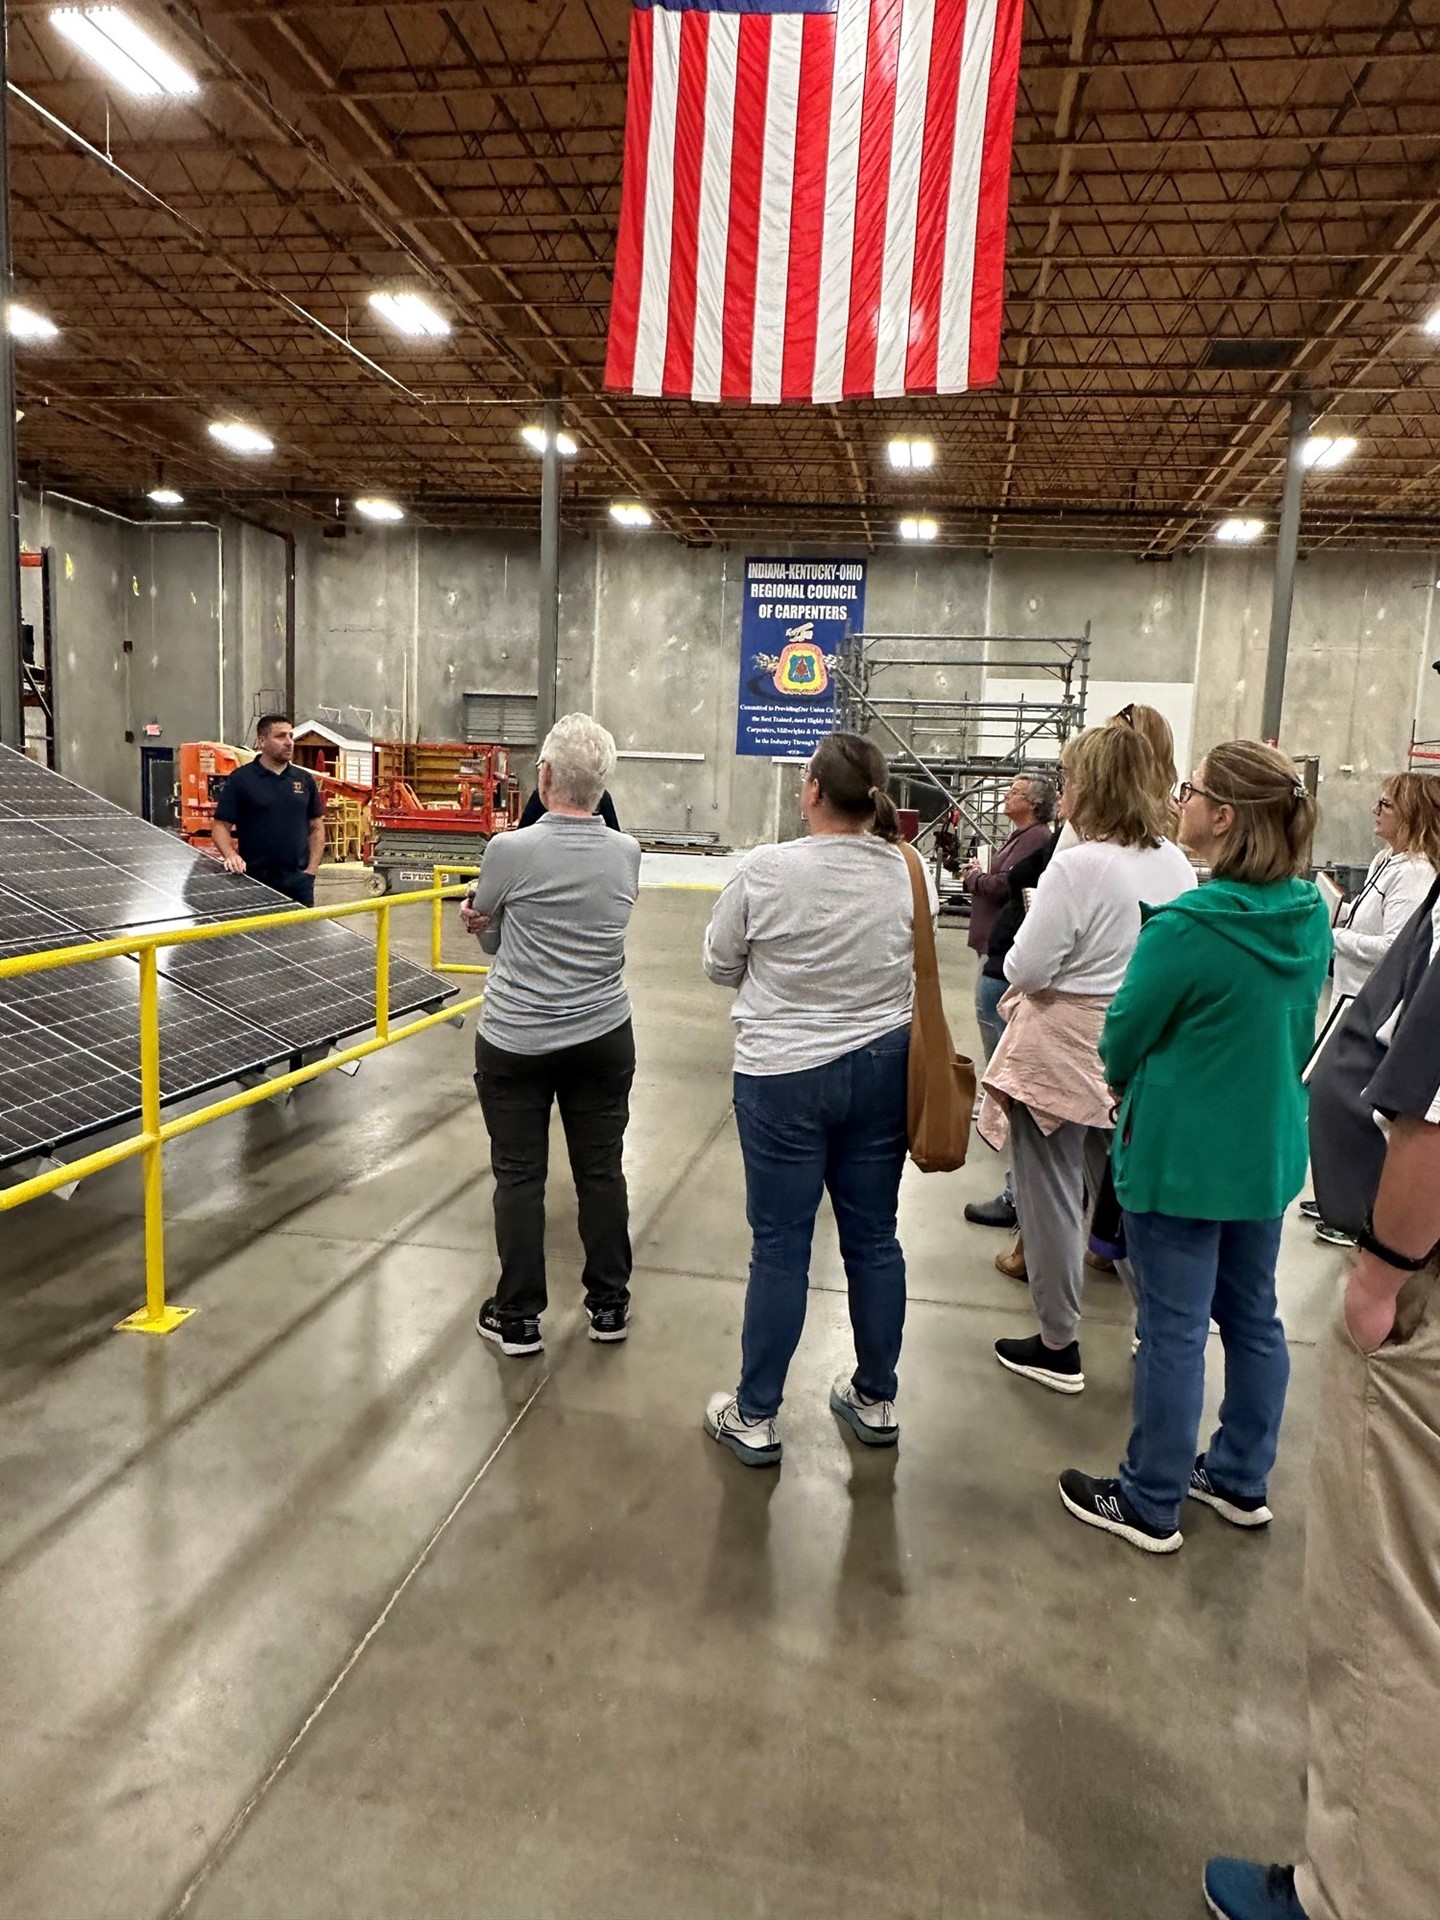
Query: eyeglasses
[
  {"x": 1383, "y": 805},
  {"x": 1127, "y": 714},
  {"x": 1187, "y": 787}
]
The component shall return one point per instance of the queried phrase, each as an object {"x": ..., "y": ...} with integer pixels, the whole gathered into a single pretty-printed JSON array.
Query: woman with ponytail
[
  {"x": 818, "y": 936},
  {"x": 1205, "y": 1044}
]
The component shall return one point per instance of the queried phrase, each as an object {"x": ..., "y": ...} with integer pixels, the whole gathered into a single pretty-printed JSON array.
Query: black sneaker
[
  {"x": 999, "y": 1212},
  {"x": 1310, "y": 1210},
  {"x": 1334, "y": 1236},
  {"x": 1238, "y": 1508},
  {"x": 1100, "y": 1503},
  {"x": 512, "y": 1336},
  {"x": 609, "y": 1324},
  {"x": 1057, "y": 1369}
]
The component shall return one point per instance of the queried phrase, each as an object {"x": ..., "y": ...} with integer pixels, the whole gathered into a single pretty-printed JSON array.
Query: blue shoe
[{"x": 1244, "y": 1890}]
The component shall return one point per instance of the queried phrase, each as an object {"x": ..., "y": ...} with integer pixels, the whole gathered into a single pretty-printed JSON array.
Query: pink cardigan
[{"x": 1048, "y": 1058}]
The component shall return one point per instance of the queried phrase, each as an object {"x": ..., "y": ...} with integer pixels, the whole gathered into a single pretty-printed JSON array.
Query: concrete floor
[{"x": 320, "y": 1608}]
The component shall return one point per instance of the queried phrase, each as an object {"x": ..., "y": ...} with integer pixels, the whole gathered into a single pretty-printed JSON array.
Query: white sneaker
[
  {"x": 873, "y": 1421},
  {"x": 753, "y": 1441}
]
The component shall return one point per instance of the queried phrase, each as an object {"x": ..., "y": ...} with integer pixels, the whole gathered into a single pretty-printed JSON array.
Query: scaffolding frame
[{"x": 963, "y": 749}]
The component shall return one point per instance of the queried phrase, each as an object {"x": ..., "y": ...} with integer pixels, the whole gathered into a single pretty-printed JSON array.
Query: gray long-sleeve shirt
[
  {"x": 818, "y": 935},
  {"x": 559, "y": 897}
]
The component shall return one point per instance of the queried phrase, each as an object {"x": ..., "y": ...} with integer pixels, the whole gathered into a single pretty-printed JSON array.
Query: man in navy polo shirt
[{"x": 275, "y": 812}]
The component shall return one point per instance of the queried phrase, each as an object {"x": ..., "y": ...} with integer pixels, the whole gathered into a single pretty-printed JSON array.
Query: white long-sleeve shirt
[
  {"x": 818, "y": 935},
  {"x": 1394, "y": 888},
  {"x": 1081, "y": 930}
]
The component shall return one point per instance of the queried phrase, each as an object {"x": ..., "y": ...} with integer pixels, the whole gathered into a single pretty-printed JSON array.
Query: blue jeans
[
  {"x": 988, "y": 994},
  {"x": 1189, "y": 1271},
  {"x": 841, "y": 1127}
]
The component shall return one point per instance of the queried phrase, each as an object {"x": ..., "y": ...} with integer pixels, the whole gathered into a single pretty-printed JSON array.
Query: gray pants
[{"x": 1057, "y": 1176}]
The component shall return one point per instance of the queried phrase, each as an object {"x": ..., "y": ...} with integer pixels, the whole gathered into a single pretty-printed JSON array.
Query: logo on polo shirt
[{"x": 297, "y": 786}]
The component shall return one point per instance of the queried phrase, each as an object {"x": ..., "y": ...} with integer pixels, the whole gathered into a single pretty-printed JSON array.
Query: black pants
[
  {"x": 592, "y": 1085},
  {"x": 297, "y": 886}
]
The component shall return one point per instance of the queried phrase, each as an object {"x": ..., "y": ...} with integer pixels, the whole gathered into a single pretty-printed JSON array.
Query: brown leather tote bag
[{"x": 942, "y": 1082}]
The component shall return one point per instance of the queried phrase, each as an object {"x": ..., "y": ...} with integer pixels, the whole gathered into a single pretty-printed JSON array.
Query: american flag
[{"x": 815, "y": 198}]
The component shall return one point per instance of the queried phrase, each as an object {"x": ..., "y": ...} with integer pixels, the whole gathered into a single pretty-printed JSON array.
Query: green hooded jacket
[{"x": 1205, "y": 1043}]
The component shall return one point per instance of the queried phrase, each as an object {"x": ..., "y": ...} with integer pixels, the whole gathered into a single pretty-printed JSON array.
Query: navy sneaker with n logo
[{"x": 1100, "y": 1503}]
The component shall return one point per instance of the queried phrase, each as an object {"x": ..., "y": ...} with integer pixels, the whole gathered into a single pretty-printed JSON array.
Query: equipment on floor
[
  {"x": 205, "y": 765},
  {"x": 437, "y": 803},
  {"x": 75, "y": 870}
]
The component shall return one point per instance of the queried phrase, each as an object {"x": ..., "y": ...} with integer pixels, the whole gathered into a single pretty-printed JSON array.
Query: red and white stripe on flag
[{"x": 815, "y": 198}]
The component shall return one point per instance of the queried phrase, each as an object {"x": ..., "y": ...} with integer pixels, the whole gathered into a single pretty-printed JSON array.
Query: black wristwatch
[{"x": 1402, "y": 1262}]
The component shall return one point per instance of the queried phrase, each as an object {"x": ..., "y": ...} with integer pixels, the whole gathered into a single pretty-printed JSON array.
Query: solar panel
[
  {"x": 26, "y": 928},
  {"x": 312, "y": 984},
  {"x": 29, "y": 791},
  {"x": 72, "y": 868},
  {"x": 70, "y": 1051}
]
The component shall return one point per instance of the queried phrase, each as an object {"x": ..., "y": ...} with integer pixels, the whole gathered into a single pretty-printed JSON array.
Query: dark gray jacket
[{"x": 1383, "y": 1059}]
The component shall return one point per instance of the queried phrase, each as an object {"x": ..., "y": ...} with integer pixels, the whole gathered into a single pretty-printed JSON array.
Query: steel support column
[
  {"x": 12, "y": 713},
  {"x": 290, "y": 624},
  {"x": 549, "y": 642},
  {"x": 1287, "y": 546}
]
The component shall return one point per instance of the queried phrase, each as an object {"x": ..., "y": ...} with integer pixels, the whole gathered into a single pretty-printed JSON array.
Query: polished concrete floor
[{"x": 320, "y": 1608}]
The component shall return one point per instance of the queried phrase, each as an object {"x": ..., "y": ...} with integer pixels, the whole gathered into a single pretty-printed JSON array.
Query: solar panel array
[{"x": 74, "y": 870}]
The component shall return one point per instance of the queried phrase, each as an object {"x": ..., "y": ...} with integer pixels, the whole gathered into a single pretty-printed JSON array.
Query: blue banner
[{"x": 793, "y": 616}]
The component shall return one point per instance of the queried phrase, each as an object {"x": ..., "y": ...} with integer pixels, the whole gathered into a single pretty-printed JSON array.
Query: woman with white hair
[{"x": 552, "y": 904}]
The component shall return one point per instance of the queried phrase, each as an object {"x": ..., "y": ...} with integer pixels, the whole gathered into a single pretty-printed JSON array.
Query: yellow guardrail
[
  {"x": 156, "y": 1316},
  {"x": 441, "y": 894}
]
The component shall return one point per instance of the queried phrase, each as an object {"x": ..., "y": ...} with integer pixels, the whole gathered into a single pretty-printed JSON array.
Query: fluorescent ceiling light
[
  {"x": 1239, "y": 533},
  {"x": 629, "y": 513},
  {"x": 1324, "y": 450},
  {"x": 918, "y": 529},
  {"x": 565, "y": 443},
  {"x": 410, "y": 314},
  {"x": 240, "y": 438},
  {"x": 26, "y": 324},
  {"x": 1431, "y": 323},
  {"x": 119, "y": 48},
  {"x": 166, "y": 497},
  {"x": 379, "y": 509},
  {"x": 912, "y": 454}
]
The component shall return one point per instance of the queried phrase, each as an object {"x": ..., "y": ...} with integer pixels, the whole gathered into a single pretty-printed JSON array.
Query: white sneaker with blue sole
[
  {"x": 871, "y": 1421},
  {"x": 753, "y": 1441}
]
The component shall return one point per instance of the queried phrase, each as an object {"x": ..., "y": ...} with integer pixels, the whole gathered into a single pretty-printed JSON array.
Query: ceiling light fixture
[
  {"x": 565, "y": 443},
  {"x": 374, "y": 509},
  {"x": 918, "y": 529},
  {"x": 166, "y": 497},
  {"x": 912, "y": 455},
  {"x": 1239, "y": 533},
  {"x": 1431, "y": 323},
  {"x": 124, "y": 51},
  {"x": 1325, "y": 450},
  {"x": 26, "y": 324},
  {"x": 629, "y": 513},
  {"x": 240, "y": 438},
  {"x": 410, "y": 314}
]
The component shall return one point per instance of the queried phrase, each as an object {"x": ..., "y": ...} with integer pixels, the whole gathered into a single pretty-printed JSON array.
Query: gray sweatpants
[{"x": 1057, "y": 1176}]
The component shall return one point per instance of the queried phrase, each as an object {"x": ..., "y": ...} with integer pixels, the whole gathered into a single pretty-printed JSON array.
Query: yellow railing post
[
  {"x": 148, "y": 1144},
  {"x": 437, "y": 924},
  {"x": 155, "y": 1316},
  {"x": 382, "y": 973}
]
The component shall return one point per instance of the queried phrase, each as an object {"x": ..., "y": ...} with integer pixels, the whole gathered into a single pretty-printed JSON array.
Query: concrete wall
[
  {"x": 136, "y": 611},
  {"x": 398, "y": 623}
]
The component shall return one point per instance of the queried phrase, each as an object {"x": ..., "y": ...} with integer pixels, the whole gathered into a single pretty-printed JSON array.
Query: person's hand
[
  {"x": 1370, "y": 1295},
  {"x": 471, "y": 921},
  {"x": 969, "y": 873},
  {"x": 312, "y": 871},
  {"x": 233, "y": 863}
]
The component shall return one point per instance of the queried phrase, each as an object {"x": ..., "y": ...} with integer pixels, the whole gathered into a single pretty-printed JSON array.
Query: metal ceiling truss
[{"x": 1266, "y": 175}]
